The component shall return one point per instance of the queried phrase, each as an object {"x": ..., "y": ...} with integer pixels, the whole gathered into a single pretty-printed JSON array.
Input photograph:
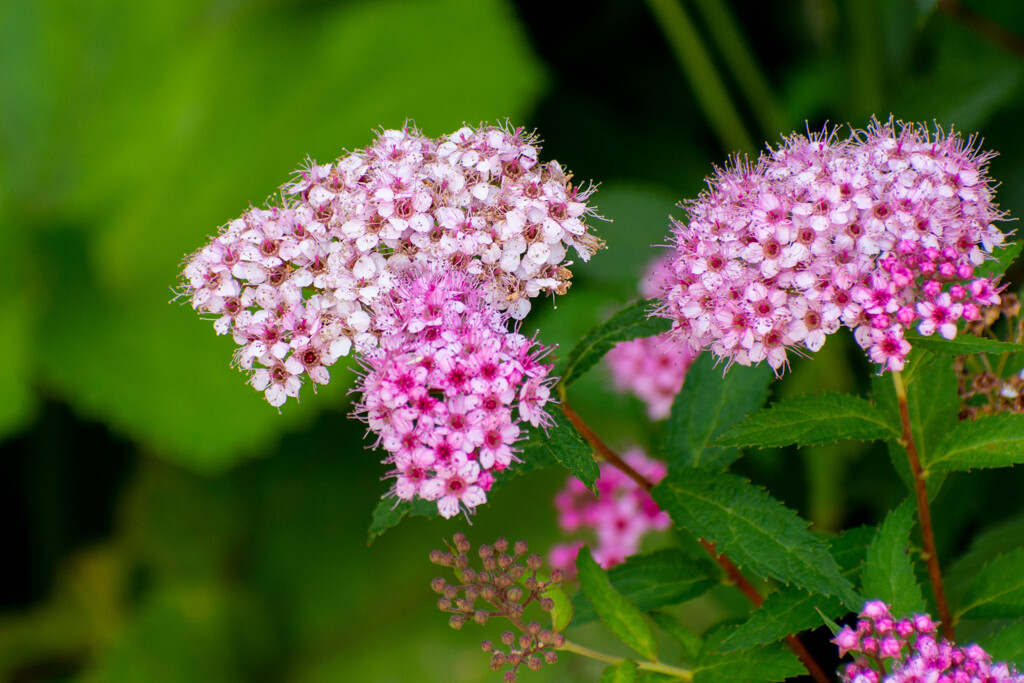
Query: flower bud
[
  {"x": 507, "y": 637},
  {"x": 521, "y": 547},
  {"x": 501, "y": 545},
  {"x": 487, "y": 646},
  {"x": 534, "y": 561},
  {"x": 456, "y": 621},
  {"x": 438, "y": 584},
  {"x": 461, "y": 542}
]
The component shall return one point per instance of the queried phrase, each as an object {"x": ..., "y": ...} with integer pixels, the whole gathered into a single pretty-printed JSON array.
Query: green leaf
[
  {"x": 708, "y": 404},
  {"x": 962, "y": 344},
  {"x": 538, "y": 450},
  {"x": 811, "y": 421},
  {"x": 759, "y": 665},
  {"x": 561, "y": 613},
  {"x": 563, "y": 443},
  {"x": 1006, "y": 644},
  {"x": 689, "y": 641},
  {"x": 623, "y": 672},
  {"x": 1004, "y": 256},
  {"x": 992, "y": 543},
  {"x": 621, "y": 616},
  {"x": 997, "y": 592},
  {"x": 990, "y": 441},
  {"x": 791, "y": 609},
  {"x": 888, "y": 571},
  {"x": 665, "y": 577},
  {"x": 629, "y": 323},
  {"x": 933, "y": 403},
  {"x": 756, "y": 531}
]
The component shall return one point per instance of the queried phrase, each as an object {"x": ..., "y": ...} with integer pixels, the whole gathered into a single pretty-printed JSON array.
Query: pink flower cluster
[
  {"x": 448, "y": 387},
  {"x": 889, "y": 650},
  {"x": 295, "y": 285},
  {"x": 619, "y": 518},
  {"x": 652, "y": 368},
  {"x": 881, "y": 232}
]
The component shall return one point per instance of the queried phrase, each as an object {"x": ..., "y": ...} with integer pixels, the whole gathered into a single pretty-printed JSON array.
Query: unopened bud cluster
[
  {"x": 890, "y": 650},
  {"x": 982, "y": 390},
  {"x": 504, "y": 585}
]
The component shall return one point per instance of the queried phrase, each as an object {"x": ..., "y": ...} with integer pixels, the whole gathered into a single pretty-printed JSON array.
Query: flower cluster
[
  {"x": 296, "y": 285},
  {"x": 652, "y": 368},
  {"x": 621, "y": 515},
  {"x": 881, "y": 232},
  {"x": 448, "y": 387},
  {"x": 889, "y": 650},
  {"x": 506, "y": 586}
]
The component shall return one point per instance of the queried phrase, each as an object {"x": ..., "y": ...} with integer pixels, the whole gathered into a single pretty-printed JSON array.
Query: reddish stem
[
  {"x": 730, "y": 569},
  {"x": 930, "y": 555}
]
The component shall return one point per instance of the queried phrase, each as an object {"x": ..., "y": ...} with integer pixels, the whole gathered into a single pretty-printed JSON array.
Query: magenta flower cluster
[
  {"x": 448, "y": 388},
  {"x": 890, "y": 650},
  {"x": 652, "y": 368},
  {"x": 881, "y": 233},
  {"x": 619, "y": 517},
  {"x": 295, "y": 285}
]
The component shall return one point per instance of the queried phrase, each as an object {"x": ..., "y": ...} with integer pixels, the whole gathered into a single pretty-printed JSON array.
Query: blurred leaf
[
  {"x": 564, "y": 444},
  {"x": 933, "y": 403},
  {"x": 710, "y": 402},
  {"x": 961, "y": 345},
  {"x": 665, "y": 577},
  {"x": 811, "y": 421},
  {"x": 623, "y": 672},
  {"x": 992, "y": 543},
  {"x": 791, "y": 609},
  {"x": 888, "y": 571},
  {"x": 562, "y": 612},
  {"x": 630, "y": 323},
  {"x": 227, "y": 117},
  {"x": 758, "y": 665},
  {"x": 989, "y": 441},
  {"x": 689, "y": 641},
  {"x": 538, "y": 450},
  {"x": 1006, "y": 644},
  {"x": 756, "y": 531},
  {"x": 617, "y": 612},
  {"x": 997, "y": 591}
]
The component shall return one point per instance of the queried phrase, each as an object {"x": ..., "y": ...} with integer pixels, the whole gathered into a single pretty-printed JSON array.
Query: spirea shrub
[{"x": 420, "y": 256}]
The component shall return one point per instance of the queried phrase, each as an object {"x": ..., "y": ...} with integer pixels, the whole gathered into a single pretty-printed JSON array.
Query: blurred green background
[{"x": 162, "y": 522}]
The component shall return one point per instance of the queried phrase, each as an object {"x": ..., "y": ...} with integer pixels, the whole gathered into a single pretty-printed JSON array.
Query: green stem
[
  {"x": 736, "y": 53},
  {"x": 924, "y": 513},
  {"x": 659, "y": 667},
  {"x": 707, "y": 86}
]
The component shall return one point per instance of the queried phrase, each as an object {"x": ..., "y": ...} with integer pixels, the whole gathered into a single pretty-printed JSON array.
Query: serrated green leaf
[
  {"x": 623, "y": 672},
  {"x": 623, "y": 617},
  {"x": 962, "y": 344},
  {"x": 708, "y": 404},
  {"x": 756, "y": 531},
  {"x": 811, "y": 421},
  {"x": 791, "y": 609},
  {"x": 759, "y": 665},
  {"x": 987, "y": 546},
  {"x": 629, "y": 323},
  {"x": 689, "y": 641},
  {"x": 1006, "y": 644},
  {"x": 1003, "y": 257},
  {"x": 565, "y": 445},
  {"x": 933, "y": 403},
  {"x": 990, "y": 441},
  {"x": 536, "y": 451},
  {"x": 888, "y": 571},
  {"x": 997, "y": 592},
  {"x": 665, "y": 577}
]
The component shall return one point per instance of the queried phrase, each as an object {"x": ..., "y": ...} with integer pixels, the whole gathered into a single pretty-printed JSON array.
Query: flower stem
[
  {"x": 730, "y": 569},
  {"x": 924, "y": 514},
  {"x": 659, "y": 667},
  {"x": 707, "y": 85}
]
